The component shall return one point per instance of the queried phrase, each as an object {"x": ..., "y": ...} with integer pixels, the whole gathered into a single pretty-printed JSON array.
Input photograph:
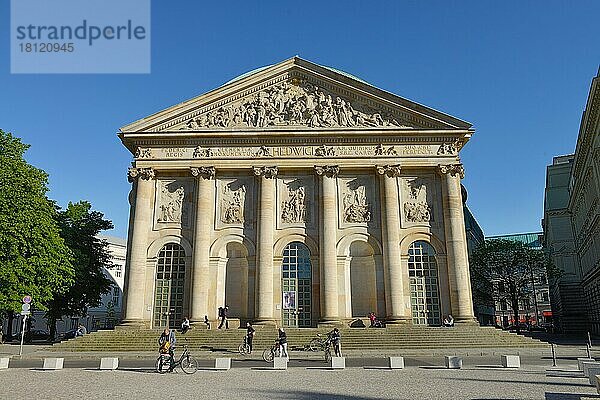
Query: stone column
[
  {"x": 204, "y": 217},
  {"x": 456, "y": 243},
  {"x": 396, "y": 312},
  {"x": 264, "y": 254},
  {"x": 135, "y": 272},
  {"x": 327, "y": 243}
]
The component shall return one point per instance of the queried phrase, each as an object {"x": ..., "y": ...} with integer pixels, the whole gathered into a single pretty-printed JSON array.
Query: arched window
[
  {"x": 296, "y": 284},
  {"x": 424, "y": 285},
  {"x": 170, "y": 284}
]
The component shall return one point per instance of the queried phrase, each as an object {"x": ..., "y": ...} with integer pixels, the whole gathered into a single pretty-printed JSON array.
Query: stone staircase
[{"x": 390, "y": 338}]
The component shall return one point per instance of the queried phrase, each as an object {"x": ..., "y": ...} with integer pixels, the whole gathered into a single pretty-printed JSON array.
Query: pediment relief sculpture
[
  {"x": 294, "y": 103},
  {"x": 417, "y": 208}
]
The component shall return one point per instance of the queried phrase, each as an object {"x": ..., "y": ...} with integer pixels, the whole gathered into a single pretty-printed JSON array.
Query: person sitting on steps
[{"x": 448, "y": 321}]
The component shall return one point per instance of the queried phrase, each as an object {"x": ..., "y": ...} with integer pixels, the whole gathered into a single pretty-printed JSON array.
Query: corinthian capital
[
  {"x": 144, "y": 173},
  {"x": 203, "y": 172},
  {"x": 392, "y": 171},
  {"x": 267, "y": 172},
  {"x": 330, "y": 171},
  {"x": 452, "y": 169}
]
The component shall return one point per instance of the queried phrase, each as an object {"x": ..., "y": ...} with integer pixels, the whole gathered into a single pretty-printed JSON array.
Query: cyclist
[
  {"x": 250, "y": 331},
  {"x": 166, "y": 343}
]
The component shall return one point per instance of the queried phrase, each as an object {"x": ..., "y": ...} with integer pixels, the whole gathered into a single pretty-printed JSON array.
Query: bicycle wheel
[
  {"x": 189, "y": 365},
  {"x": 163, "y": 363},
  {"x": 267, "y": 355},
  {"x": 315, "y": 344},
  {"x": 242, "y": 348}
]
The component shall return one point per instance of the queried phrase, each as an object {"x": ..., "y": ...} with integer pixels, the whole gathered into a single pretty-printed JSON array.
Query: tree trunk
[
  {"x": 9, "y": 328},
  {"x": 52, "y": 328}
]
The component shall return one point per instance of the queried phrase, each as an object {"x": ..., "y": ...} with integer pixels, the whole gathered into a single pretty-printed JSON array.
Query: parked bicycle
[
  {"x": 318, "y": 343},
  {"x": 270, "y": 353},
  {"x": 327, "y": 350},
  {"x": 244, "y": 348},
  {"x": 186, "y": 362}
]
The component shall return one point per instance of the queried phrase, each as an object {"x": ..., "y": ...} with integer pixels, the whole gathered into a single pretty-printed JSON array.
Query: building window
[
  {"x": 424, "y": 290},
  {"x": 503, "y": 305},
  {"x": 170, "y": 285},
  {"x": 74, "y": 323},
  {"x": 545, "y": 296},
  {"x": 115, "y": 297},
  {"x": 118, "y": 271}
]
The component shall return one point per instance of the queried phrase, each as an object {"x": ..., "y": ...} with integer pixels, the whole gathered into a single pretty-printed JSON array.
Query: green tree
[
  {"x": 503, "y": 270},
  {"x": 79, "y": 227},
  {"x": 34, "y": 259}
]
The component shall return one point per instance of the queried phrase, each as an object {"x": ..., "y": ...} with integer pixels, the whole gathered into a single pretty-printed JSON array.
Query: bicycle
[
  {"x": 327, "y": 350},
  {"x": 318, "y": 343},
  {"x": 244, "y": 348},
  {"x": 270, "y": 353},
  {"x": 186, "y": 362}
]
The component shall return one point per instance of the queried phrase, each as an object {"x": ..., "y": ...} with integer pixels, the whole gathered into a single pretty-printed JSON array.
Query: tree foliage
[
  {"x": 79, "y": 227},
  {"x": 34, "y": 259},
  {"x": 504, "y": 269}
]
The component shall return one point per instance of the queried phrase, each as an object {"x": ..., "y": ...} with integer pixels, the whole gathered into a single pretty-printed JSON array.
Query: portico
[{"x": 297, "y": 195}]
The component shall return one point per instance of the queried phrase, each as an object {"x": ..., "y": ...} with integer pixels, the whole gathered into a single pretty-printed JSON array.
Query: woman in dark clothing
[{"x": 282, "y": 343}]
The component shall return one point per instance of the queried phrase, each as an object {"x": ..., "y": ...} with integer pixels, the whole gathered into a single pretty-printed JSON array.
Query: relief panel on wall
[
  {"x": 417, "y": 201},
  {"x": 295, "y": 201},
  {"x": 173, "y": 203},
  {"x": 357, "y": 201},
  {"x": 234, "y": 197}
]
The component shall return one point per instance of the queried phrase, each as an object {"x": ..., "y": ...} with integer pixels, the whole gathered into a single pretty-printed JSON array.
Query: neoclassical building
[{"x": 297, "y": 194}]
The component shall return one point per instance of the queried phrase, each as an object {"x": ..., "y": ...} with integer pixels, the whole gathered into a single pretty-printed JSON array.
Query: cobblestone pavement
[{"x": 302, "y": 383}]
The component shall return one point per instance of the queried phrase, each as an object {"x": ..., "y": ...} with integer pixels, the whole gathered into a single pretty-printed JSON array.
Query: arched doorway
[
  {"x": 236, "y": 280},
  {"x": 296, "y": 285},
  {"x": 363, "y": 293},
  {"x": 169, "y": 286},
  {"x": 424, "y": 284}
]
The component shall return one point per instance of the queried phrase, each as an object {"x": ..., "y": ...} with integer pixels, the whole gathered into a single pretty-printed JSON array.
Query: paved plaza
[{"x": 302, "y": 383}]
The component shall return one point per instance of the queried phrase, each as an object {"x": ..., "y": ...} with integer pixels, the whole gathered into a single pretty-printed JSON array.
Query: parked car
[{"x": 38, "y": 334}]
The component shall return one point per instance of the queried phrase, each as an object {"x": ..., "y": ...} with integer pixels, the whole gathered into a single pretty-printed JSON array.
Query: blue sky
[{"x": 520, "y": 71}]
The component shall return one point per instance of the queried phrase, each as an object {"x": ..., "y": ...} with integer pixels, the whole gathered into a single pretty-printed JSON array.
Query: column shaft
[
  {"x": 264, "y": 264},
  {"x": 391, "y": 251},
  {"x": 328, "y": 240},
  {"x": 456, "y": 245},
  {"x": 136, "y": 271},
  {"x": 201, "y": 271}
]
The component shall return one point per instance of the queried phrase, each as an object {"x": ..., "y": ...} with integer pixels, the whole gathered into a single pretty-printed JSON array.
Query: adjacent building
[
  {"x": 298, "y": 195},
  {"x": 534, "y": 310},
  {"x": 572, "y": 224}
]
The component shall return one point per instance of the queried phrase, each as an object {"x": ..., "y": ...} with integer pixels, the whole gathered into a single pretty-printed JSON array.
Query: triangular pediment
[{"x": 291, "y": 95}]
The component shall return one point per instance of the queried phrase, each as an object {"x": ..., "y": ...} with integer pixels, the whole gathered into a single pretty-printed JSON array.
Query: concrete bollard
[
  {"x": 337, "y": 363},
  {"x": 53, "y": 363},
  {"x": 453, "y": 362},
  {"x": 580, "y": 362},
  {"x": 280, "y": 363},
  {"x": 395, "y": 362},
  {"x": 222, "y": 364},
  {"x": 4, "y": 362},
  {"x": 587, "y": 365},
  {"x": 109, "y": 363},
  {"x": 592, "y": 372},
  {"x": 511, "y": 361}
]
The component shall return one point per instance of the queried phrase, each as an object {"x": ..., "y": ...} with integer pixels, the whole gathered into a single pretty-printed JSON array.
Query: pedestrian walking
[
  {"x": 206, "y": 322},
  {"x": 283, "y": 343},
  {"x": 223, "y": 311}
]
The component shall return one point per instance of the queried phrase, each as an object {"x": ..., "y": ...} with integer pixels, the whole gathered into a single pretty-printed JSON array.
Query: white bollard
[
  {"x": 337, "y": 363},
  {"x": 592, "y": 372},
  {"x": 587, "y": 365},
  {"x": 280, "y": 363},
  {"x": 453, "y": 362},
  {"x": 109, "y": 363},
  {"x": 511, "y": 361},
  {"x": 222, "y": 364},
  {"x": 53, "y": 363},
  {"x": 395, "y": 362},
  {"x": 580, "y": 362},
  {"x": 4, "y": 362}
]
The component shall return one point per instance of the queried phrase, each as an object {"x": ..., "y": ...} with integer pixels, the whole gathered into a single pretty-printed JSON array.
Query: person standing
[
  {"x": 283, "y": 343},
  {"x": 250, "y": 331},
  {"x": 166, "y": 343},
  {"x": 336, "y": 340},
  {"x": 223, "y": 311}
]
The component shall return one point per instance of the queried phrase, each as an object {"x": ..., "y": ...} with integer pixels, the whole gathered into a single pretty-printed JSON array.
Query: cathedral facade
[{"x": 297, "y": 195}]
